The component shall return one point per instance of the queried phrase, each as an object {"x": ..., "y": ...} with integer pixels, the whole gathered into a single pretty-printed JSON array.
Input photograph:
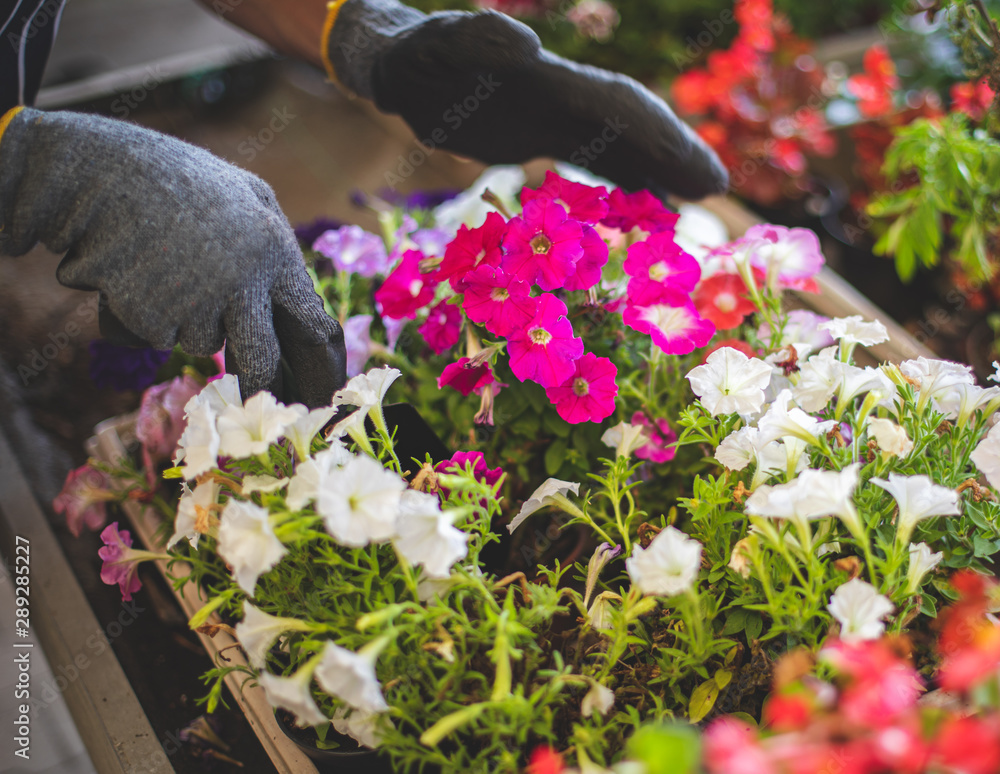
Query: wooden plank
[
  {"x": 836, "y": 297},
  {"x": 105, "y": 710},
  {"x": 287, "y": 758}
]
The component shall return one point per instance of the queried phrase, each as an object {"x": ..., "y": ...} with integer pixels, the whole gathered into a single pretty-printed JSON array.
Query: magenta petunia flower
[
  {"x": 354, "y": 250},
  {"x": 545, "y": 350},
  {"x": 121, "y": 561},
  {"x": 589, "y": 394},
  {"x": 642, "y": 209},
  {"x": 542, "y": 246},
  {"x": 443, "y": 326},
  {"x": 498, "y": 300},
  {"x": 83, "y": 498},
  {"x": 584, "y": 203},
  {"x": 406, "y": 289},
  {"x": 472, "y": 248},
  {"x": 465, "y": 377},
  {"x": 677, "y": 330},
  {"x": 660, "y": 271},
  {"x": 460, "y": 459},
  {"x": 661, "y": 439},
  {"x": 587, "y": 271}
]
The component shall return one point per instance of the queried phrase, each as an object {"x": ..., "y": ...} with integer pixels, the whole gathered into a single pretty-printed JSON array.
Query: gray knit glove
[
  {"x": 186, "y": 248},
  {"x": 480, "y": 84}
]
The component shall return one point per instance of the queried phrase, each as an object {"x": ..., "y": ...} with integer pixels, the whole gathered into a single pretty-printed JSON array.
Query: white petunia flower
[
  {"x": 293, "y": 694},
  {"x": 802, "y": 331},
  {"x": 668, "y": 566},
  {"x": 918, "y": 498},
  {"x": 359, "y": 502},
  {"x": 302, "y": 431},
  {"x": 426, "y": 536},
  {"x": 935, "y": 377},
  {"x": 199, "y": 443},
  {"x": 265, "y": 484},
  {"x": 219, "y": 394},
  {"x": 813, "y": 494},
  {"x": 600, "y": 613},
  {"x": 860, "y": 609},
  {"x": 353, "y": 426},
  {"x": 780, "y": 421},
  {"x": 922, "y": 561},
  {"x": 697, "y": 231},
  {"x": 625, "y": 438},
  {"x": 258, "y": 631},
  {"x": 890, "y": 437},
  {"x": 959, "y": 402},
  {"x": 469, "y": 209},
  {"x": 986, "y": 456},
  {"x": 248, "y": 430},
  {"x": 854, "y": 330},
  {"x": 367, "y": 389},
  {"x": 854, "y": 381},
  {"x": 310, "y": 475},
  {"x": 551, "y": 492},
  {"x": 819, "y": 377},
  {"x": 362, "y": 727},
  {"x": 603, "y": 554},
  {"x": 350, "y": 677},
  {"x": 599, "y": 699},
  {"x": 247, "y": 542},
  {"x": 730, "y": 382},
  {"x": 742, "y": 447},
  {"x": 201, "y": 500}
]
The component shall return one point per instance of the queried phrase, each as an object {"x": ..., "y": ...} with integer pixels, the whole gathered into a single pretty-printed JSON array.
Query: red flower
[
  {"x": 732, "y": 747},
  {"x": 970, "y": 745},
  {"x": 583, "y": 202},
  {"x": 789, "y": 710},
  {"x": 722, "y": 299},
  {"x": 589, "y": 394},
  {"x": 755, "y": 18},
  {"x": 498, "y": 300},
  {"x": 693, "y": 92},
  {"x": 875, "y": 86},
  {"x": 471, "y": 248},
  {"x": 406, "y": 289},
  {"x": 642, "y": 209},
  {"x": 542, "y": 245},
  {"x": 739, "y": 344},
  {"x": 443, "y": 327},
  {"x": 973, "y": 99},
  {"x": 545, "y": 760},
  {"x": 969, "y": 643}
]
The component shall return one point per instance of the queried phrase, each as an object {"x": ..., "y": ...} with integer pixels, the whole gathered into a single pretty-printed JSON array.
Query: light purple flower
[
  {"x": 357, "y": 337},
  {"x": 393, "y": 330},
  {"x": 121, "y": 560},
  {"x": 83, "y": 499},
  {"x": 354, "y": 250},
  {"x": 161, "y": 419},
  {"x": 790, "y": 256}
]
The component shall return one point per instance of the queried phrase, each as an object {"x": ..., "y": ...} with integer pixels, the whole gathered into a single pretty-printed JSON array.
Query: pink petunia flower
[
  {"x": 677, "y": 330},
  {"x": 584, "y": 203},
  {"x": 498, "y": 300},
  {"x": 587, "y": 271},
  {"x": 465, "y": 377},
  {"x": 161, "y": 422},
  {"x": 443, "y": 326},
  {"x": 733, "y": 746},
  {"x": 589, "y": 394},
  {"x": 542, "y": 246},
  {"x": 472, "y": 248},
  {"x": 789, "y": 257},
  {"x": 660, "y": 270},
  {"x": 354, "y": 250},
  {"x": 121, "y": 561},
  {"x": 460, "y": 459},
  {"x": 545, "y": 350},
  {"x": 642, "y": 209},
  {"x": 83, "y": 498},
  {"x": 406, "y": 289},
  {"x": 661, "y": 439}
]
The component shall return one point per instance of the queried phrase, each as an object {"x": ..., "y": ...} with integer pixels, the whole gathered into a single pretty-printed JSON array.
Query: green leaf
[
  {"x": 665, "y": 748},
  {"x": 928, "y": 606},
  {"x": 723, "y": 677},
  {"x": 983, "y": 547},
  {"x": 735, "y": 622},
  {"x": 702, "y": 700},
  {"x": 754, "y": 626},
  {"x": 555, "y": 455}
]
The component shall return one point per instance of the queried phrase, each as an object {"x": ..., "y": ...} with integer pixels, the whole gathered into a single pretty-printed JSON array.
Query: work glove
[
  {"x": 184, "y": 247},
  {"x": 480, "y": 85}
]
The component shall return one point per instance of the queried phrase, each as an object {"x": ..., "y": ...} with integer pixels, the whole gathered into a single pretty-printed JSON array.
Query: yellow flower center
[
  {"x": 580, "y": 387},
  {"x": 540, "y": 336},
  {"x": 541, "y": 244}
]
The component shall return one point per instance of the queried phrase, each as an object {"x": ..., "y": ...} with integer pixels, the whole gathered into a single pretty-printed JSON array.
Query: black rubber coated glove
[
  {"x": 479, "y": 84},
  {"x": 186, "y": 248}
]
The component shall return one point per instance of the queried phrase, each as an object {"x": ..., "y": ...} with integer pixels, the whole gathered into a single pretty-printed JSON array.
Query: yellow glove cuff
[
  {"x": 332, "y": 9},
  {"x": 8, "y": 117}
]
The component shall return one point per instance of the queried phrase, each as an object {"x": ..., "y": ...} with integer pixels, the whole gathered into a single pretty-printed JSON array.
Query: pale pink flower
[
  {"x": 677, "y": 330},
  {"x": 83, "y": 498}
]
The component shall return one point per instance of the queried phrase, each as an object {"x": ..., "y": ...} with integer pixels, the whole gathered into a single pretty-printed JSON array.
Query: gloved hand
[
  {"x": 185, "y": 247},
  {"x": 483, "y": 82}
]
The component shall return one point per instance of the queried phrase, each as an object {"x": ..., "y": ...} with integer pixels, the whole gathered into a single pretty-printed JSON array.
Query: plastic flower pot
[{"x": 347, "y": 758}]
